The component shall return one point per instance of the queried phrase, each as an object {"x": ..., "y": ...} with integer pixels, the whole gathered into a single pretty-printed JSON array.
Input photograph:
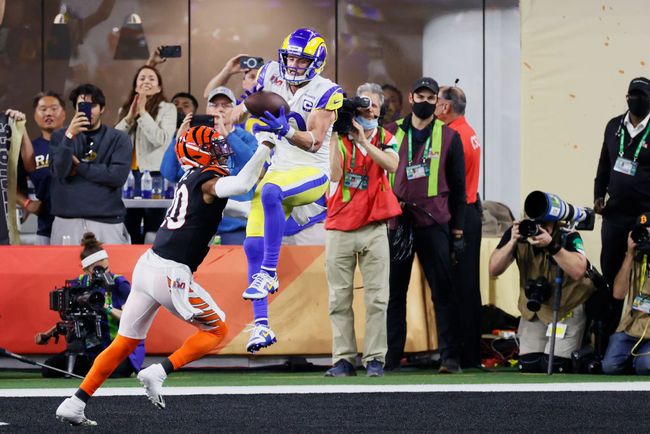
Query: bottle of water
[
  {"x": 169, "y": 189},
  {"x": 146, "y": 185},
  {"x": 157, "y": 187},
  {"x": 129, "y": 187}
]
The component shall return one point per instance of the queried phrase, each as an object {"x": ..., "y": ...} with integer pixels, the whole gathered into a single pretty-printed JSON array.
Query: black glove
[{"x": 457, "y": 248}]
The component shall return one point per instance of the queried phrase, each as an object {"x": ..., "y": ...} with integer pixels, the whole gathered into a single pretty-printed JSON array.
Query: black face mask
[
  {"x": 639, "y": 106},
  {"x": 423, "y": 109}
]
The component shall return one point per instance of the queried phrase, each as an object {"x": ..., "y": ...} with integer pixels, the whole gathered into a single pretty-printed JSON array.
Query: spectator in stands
[
  {"x": 49, "y": 114},
  {"x": 629, "y": 348},
  {"x": 466, "y": 266},
  {"x": 185, "y": 103},
  {"x": 393, "y": 103},
  {"x": 221, "y": 101},
  {"x": 361, "y": 203},
  {"x": 90, "y": 163},
  {"x": 94, "y": 256},
  {"x": 538, "y": 258},
  {"x": 231, "y": 68},
  {"x": 150, "y": 121},
  {"x": 430, "y": 181}
]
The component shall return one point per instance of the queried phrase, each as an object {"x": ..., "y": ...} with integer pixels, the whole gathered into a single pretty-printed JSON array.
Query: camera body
[
  {"x": 246, "y": 62},
  {"x": 348, "y": 111},
  {"x": 641, "y": 238},
  {"x": 537, "y": 292},
  {"x": 80, "y": 306},
  {"x": 528, "y": 228}
]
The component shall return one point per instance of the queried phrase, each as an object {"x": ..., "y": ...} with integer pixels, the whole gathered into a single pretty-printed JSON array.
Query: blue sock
[
  {"x": 274, "y": 221},
  {"x": 261, "y": 311},
  {"x": 254, "y": 248}
]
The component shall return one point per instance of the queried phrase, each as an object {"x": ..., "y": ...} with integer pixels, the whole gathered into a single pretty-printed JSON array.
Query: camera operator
[
  {"x": 94, "y": 261},
  {"x": 629, "y": 347},
  {"x": 538, "y": 258}
]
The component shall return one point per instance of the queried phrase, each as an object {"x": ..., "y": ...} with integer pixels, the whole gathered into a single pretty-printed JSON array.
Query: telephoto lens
[{"x": 640, "y": 234}]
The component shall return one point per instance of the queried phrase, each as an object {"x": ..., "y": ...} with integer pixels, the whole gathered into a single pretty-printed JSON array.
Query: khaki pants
[
  {"x": 369, "y": 247},
  {"x": 532, "y": 334}
]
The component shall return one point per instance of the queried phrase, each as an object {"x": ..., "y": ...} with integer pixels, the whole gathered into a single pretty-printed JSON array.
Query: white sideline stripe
[{"x": 632, "y": 386}]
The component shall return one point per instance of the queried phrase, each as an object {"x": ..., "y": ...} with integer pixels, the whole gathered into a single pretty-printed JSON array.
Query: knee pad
[
  {"x": 561, "y": 365},
  {"x": 531, "y": 362},
  {"x": 271, "y": 193}
]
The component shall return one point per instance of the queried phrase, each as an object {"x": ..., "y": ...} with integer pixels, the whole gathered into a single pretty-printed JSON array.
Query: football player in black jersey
[{"x": 163, "y": 274}]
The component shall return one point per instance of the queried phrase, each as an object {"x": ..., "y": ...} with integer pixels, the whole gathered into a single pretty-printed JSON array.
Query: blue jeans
[{"x": 617, "y": 357}]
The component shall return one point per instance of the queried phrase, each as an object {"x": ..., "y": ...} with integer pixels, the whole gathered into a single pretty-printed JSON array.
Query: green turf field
[{"x": 12, "y": 379}]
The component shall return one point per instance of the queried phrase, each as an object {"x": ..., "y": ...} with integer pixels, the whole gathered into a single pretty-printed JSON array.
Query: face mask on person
[
  {"x": 423, "y": 109},
  {"x": 639, "y": 106},
  {"x": 367, "y": 124}
]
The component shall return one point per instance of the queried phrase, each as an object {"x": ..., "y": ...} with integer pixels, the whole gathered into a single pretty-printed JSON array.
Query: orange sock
[
  {"x": 198, "y": 345},
  {"x": 107, "y": 361}
]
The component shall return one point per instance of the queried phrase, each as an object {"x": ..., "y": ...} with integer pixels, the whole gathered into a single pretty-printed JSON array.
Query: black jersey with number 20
[{"x": 190, "y": 223}]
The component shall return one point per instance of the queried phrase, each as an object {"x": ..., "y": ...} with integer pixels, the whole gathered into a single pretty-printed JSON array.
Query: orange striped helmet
[{"x": 202, "y": 146}]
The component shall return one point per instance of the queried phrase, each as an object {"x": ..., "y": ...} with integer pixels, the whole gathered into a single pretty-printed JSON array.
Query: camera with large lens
[
  {"x": 548, "y": 207},
  {"x": 348, "y": 111},
  {"x": 537, "y": 292},
  {"x": 528, "y": 228}
]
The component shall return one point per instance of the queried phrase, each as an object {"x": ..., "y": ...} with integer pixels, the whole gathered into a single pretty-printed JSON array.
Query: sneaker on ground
[
  {"x": 342, "y": 368},
  {"x": 152, "y": 379},
  {"x": 374, "y": 368},
  {"x": 262, "y": 285},
  {"x": 261, "y": 337},
  {"x": 450, "y": 366},
  {"x": 71, "y": 411}
]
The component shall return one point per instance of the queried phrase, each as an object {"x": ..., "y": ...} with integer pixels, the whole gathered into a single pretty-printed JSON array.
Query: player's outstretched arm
[{"x": 244, "y": 180}]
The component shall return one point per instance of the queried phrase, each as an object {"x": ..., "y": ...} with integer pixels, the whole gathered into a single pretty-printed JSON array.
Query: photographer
[
  {"x": 538, "y": 258},
  {"x": 357, "y": 210},
  {"x": 94, "y": 261},
  {"x": 629, "y": 347}
]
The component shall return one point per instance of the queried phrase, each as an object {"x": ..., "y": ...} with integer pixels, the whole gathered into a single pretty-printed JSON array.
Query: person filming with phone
[{"x": 90, "y": 162}]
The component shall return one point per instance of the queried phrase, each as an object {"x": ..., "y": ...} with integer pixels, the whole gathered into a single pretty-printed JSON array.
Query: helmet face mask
[
  {"x": 306, "y": 44},
  {"x": 202, "y": 147}
]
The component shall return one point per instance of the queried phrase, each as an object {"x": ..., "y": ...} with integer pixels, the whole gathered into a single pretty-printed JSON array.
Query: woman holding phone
[{"x": 150, "y": 121}]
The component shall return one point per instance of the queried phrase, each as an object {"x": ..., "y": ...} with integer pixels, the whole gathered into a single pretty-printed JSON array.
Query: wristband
[
  {"x": 553, "y": 248},
  {"x": 109, "y": 308},
  {"x": 69, "y": 135},
  {"x": 290, "y": 133},
  {"x": 26, "y": 203},
  {"x": 244, "y": 109}
]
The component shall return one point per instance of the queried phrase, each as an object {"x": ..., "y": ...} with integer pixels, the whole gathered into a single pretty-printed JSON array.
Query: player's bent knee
[
  {"x": 271, "y": 193},
  {"x": 221, "y": 330}
]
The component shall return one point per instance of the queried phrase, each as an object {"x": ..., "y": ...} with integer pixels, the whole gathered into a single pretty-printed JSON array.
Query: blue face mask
[{"x": 367, "y": 124}]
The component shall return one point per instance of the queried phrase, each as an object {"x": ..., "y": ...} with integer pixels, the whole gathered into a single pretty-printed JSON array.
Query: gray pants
[
  {"x": 70, "y": 231},
  {"x": 369, "y": 247},
  {"x": 532, "y": 334}
]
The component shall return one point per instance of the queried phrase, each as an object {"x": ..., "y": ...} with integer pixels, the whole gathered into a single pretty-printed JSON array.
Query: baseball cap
[
  {"x": 640, "y": 83},
  {"x": 426, "y": 83},
  {"x": 222, "y": 90}
]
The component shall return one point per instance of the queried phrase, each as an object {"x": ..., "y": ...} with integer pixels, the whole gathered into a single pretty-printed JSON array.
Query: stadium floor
[{"x": 271, "y": 401}]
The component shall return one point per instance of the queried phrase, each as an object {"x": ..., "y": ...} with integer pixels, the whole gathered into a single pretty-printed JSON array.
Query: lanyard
[
  {"x": 622, "y": 144},
  {"x": 427, "y": 146}
]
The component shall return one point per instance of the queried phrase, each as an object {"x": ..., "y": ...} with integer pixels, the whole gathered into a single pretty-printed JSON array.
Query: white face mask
[{"x": 367, "y": 124}]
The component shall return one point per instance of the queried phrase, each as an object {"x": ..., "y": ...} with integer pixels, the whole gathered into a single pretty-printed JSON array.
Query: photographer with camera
[
  {"x": 94, "y": 298},
  {"x": 358, "y": 208},
  {"x": 629, "y": 347},
  {"x": 541, "y": 248}
]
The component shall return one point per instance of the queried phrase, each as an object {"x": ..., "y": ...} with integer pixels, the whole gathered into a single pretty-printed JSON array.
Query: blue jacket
[{"x": 243, "y": 145}]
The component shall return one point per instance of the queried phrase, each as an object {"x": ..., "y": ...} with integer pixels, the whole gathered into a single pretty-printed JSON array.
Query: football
[{"x": 259, "y": 102}]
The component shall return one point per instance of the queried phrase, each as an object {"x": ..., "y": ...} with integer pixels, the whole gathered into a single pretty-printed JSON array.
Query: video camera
[
  {"x": 348, "y": 111},
  {"x": 548, "y": 207},
  {"x": 80, "y": 306}
]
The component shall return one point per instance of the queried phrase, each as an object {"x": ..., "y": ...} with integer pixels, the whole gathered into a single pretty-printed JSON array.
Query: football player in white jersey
[{"x": 299, "y": 170}]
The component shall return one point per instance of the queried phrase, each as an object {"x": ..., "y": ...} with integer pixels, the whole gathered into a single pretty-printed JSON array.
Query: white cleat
[
  {"x": 261, "y": 337},
  {"x": 152, "y": 379},
  {"x": 71, "y": 411},
  {"x": 261, "y": 286}
]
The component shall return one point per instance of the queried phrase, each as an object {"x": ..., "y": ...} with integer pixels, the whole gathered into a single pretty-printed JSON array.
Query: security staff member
[
  {"x": 622, "y": 184},
  {"x": 430, "y": 182},
  {"x": 465, "y": 268}
]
